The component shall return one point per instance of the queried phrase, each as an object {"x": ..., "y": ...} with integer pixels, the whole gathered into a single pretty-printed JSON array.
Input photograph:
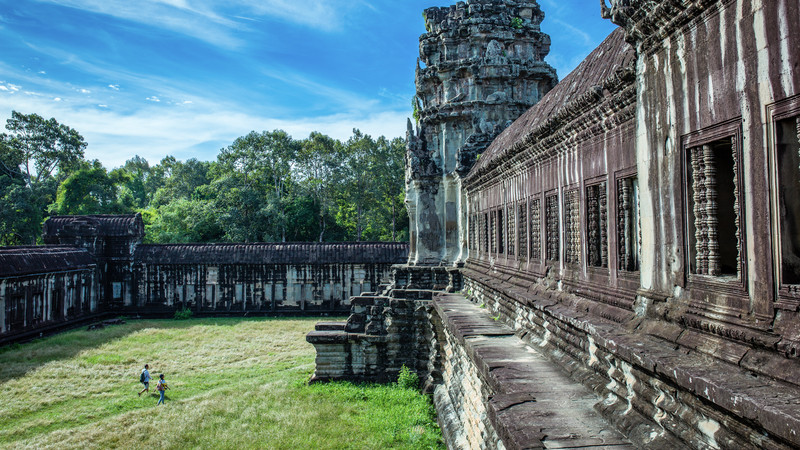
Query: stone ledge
[
  {"x": 340, "y": 337},
  {"x": 534, "y": 404},
  {"x": 772, "y": 404}
]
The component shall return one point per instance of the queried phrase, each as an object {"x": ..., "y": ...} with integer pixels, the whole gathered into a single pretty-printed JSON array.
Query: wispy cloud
[
  {"x": 153, "y": 99},
  {"x": 114, "y": 86},
  {"x": 154, "y": 132}
]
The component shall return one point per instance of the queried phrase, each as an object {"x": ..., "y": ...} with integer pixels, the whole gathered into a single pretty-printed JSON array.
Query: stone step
[
  {"x": 330, "y": 326},
  {"x": 535, "y": 404}
]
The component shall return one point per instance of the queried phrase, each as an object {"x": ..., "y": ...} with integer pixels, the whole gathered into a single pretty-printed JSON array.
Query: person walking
[
  {"x": 145, "y": 379},
  {"x": 161, "y": 387}
]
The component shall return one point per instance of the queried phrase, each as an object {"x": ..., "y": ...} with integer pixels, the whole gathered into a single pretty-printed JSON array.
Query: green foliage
[
  {"x": 415, "y": 107},
  {"x": 264, "y": 187},
  {"x": 183, "y": 314},
  {"x": 407, "y": 379},
  {"x": 516, "y": 22}
]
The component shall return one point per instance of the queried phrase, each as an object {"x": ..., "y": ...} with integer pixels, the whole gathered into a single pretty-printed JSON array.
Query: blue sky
[{"x": 186, "y": 77}]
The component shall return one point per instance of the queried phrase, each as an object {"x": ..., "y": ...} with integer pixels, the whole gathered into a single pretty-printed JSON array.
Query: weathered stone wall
[
  {"x": 43, "y": 288},
  {"x": 259, "y": 278},
  {"x": 100, "y": 267}
]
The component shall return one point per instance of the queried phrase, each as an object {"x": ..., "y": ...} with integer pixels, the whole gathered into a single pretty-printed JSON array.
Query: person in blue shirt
[{"x": 145, "y": 378}]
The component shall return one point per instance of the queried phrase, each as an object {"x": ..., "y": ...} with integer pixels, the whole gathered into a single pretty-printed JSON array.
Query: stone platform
[{"x": 499, "y": 392}]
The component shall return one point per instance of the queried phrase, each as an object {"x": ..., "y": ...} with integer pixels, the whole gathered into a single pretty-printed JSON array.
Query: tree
[
  {"x": 319, "y": 170},
  {"x": 92, "y": 190},
  {"x": 35, "y": 156}
]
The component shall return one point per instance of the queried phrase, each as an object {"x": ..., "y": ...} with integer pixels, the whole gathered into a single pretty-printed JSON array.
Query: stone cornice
[
  {"x": 601, "y": 109},
  {"x": 648, "y": 23}
]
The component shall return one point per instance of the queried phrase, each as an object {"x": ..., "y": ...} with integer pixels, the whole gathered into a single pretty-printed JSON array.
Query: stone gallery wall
[
  {"x": 638, "y": 224},
  {"x": 253, "y": 278},
  {"x": 42, "y": 288},
  {"x": 100, "y": 267}
]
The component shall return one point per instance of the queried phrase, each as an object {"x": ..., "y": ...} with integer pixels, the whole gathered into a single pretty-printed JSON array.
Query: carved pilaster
[
  {"x": 602, "y": 200},
  {"x": 536, "y": 229}
]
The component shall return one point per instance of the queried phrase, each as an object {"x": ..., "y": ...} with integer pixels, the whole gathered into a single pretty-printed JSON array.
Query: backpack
[{"x": 141, "y": 378}]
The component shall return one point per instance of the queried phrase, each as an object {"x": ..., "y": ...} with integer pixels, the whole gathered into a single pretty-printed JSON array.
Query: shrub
[
  {"x": 516, "y": 22},
  {"x": 407, "y": 379},
  {"x": 183, "y": 314}
]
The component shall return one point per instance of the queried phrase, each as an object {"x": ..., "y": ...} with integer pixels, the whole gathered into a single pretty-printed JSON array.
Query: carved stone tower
[{"x": 481, "y": 66}]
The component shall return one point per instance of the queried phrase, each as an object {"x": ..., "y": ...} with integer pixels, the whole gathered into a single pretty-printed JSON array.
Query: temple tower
[{"x": 481, "y": 66}]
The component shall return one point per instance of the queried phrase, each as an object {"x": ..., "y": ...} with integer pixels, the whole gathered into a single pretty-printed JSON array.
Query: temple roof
[
  {"x": 565, "y": 101},
  {"x": 274, "y": 253},
  {"x": 16, "y": 261},
  {"x": 120, "y": 225}
]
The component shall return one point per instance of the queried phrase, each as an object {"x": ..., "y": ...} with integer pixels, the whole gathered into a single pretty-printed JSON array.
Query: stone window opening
[
  {"x": 471, "y": 233},
  {"x": 788, "y": 171},
  {"x": 597, "y": 225},
  {"x": 572, "y": 228},
  {"x": 484, "y": 229},
  {"x": 511, "y": 235},
  {"x": 629, "y": 233},
  {"x": 522, "y": 229},
  {"x": 713, "y": 209},
  {"x": 493, "y": 231},
  {"x": 501, "y": 231},
  {"x": 535, "y": 229},
  {"x": 553, "y": 235}
]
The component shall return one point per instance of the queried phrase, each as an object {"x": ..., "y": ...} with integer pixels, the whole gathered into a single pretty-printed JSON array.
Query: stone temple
[{"x": 608, "y": 261}]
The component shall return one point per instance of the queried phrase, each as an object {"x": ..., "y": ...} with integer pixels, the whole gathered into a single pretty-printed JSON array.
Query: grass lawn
[{"x": 236, "y": 383}]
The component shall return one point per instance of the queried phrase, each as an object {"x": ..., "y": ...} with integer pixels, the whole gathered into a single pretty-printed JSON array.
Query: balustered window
[
  {"x": 471, "y": 233},
  {"x": 551, "y": 224},
  {"x": 522, "y": 229},
  {"x": 485, "y": 232},
  {"x": 713, "y": 208},
  {"x": 572, "y": 227},
  {"x": 628, "y": 232},
  {"x": 597, "y": 225},
  {"x": 511, "y": 234},
  {"x": 493, "y": 230},
  {"x": 501, "y": 231},
  {"x": 788, "y": 168},
  {"x": 536, "y": 229}
]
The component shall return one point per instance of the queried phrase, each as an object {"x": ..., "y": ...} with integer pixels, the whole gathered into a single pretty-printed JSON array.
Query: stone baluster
[
  {"x": 536, "y": 230},
  {"x": 699, "y": 207},
  {"x": 712, "y": 221},
  {"x": 603, "y": 207},
  {"x": 593, "y": 220},
  {"x": 625, "y": 223},
  {"x": 734, "y": 146}
]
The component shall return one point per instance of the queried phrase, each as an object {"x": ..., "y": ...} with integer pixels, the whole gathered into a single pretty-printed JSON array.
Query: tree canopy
[{"x": 263, "y": 187}]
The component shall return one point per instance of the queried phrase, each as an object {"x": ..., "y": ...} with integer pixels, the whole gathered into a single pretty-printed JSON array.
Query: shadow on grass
[{"x": 18, "y": 360}]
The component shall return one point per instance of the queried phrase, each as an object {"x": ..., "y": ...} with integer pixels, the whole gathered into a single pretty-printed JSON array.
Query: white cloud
[
  {"x": 153, "y": 99},
  {"x": 3, "y": 88},
  {"x": 154, "y": 132},
  {"x": 42, "y": 72},
  {"x": 114, "y": 86},
  {"x": 57, "y": 99},
  {"x": 84, "y": 91}
]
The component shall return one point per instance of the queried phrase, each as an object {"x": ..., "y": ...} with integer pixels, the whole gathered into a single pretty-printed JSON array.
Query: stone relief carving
[
  {"x": 536, "y": 229},
  {"x": 572, "y": 227},
  {"x": 551, "y": 218}
]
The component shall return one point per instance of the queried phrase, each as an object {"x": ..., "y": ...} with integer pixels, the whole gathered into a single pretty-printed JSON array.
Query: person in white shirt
[{"x": 145, "y": 379}]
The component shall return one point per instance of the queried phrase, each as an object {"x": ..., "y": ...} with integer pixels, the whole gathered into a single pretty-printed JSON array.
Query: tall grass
[{"x": 235, "y": 383}]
